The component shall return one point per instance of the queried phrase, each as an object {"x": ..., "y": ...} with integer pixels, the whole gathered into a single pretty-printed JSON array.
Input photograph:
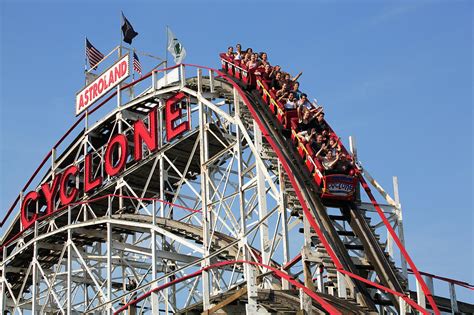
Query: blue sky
[{"x": 395, "y": 74}]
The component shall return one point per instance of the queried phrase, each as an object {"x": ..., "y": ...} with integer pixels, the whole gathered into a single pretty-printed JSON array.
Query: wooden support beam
[{"x": 226, "y": 301}]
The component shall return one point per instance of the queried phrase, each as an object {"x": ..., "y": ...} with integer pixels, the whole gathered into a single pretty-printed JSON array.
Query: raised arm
[
  {"x": 330, "y": 165},
  {"x": 321, "y": 150},
  {"x": 295, "y": 78}
]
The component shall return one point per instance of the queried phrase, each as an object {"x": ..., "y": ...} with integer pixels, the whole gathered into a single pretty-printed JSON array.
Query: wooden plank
[{"x": 226, "y": 301}]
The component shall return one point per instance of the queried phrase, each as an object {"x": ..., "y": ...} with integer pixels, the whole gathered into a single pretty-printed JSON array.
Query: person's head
[
  {"x": 268, "y": 69},
  {"x": 332, "y": 141},
  {"x": 238, "y": 47},
  {"x": 277, "y": 68},
  {"x": 342, "y": 156},
  {"x": 291, "y": 96},
  {"x": 329, "y": 154},
  {"x": 284, "y": 86},
  {"x": 264, "y": 56},
  {"x": 319, "y": 138},
  {"x": 296, "y": 86},
  {"x": 278, "y": 75},
  {"x": 253, "y": 57},
  {"x": 320, "y": 117},
  {"x": 287, "y": 77},
  {"x": 230, "y": 49},
  {"x": 303, "y": 97},
  {"x": 249, "y": 50},
  {"x": 306, "y": 115}
]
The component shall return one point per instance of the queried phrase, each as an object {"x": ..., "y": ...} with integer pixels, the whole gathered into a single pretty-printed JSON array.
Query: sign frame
[{"x": 104, "y": 78}]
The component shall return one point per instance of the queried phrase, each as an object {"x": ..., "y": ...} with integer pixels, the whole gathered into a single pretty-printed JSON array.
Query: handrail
[
  {"x": 292, "y": 262},
  {"x": 445, "y": 279}
]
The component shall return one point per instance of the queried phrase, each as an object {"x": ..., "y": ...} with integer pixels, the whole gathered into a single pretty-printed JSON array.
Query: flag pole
[
  {"x": 133, "y": 62},
  {"x": 119, "y": 95},
  {"x": 86, "y": 114},
  {"x": 85, "y": 60},
  {"x": 132, "y": 90},
  {"x": 166, "y": 48},
  {"x": 121, "y": 19}
]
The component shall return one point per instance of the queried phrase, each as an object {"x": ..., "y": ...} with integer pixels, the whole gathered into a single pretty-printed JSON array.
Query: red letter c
[
  {"x": 65, "y": 197},
  {"x": 25, "y": 221}
]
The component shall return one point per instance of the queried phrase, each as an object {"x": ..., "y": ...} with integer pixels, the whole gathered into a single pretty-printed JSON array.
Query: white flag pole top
[{"x": 175, "y": 47}]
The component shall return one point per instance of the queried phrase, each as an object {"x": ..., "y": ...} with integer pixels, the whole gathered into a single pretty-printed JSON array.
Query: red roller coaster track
[{"x": 267, "y": 134}]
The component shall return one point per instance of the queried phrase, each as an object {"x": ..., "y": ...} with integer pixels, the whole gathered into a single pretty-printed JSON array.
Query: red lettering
[
  {"x": 49, "y": 193},
  {"x": 141, "y": 133},
  {"x": 86, "y": 96},
  {"x": 89, "y": 182},
  {"x": 111, "y": 77},
  {"x": 25, "y": 221},
  {"x": 123, "y": 67},
  {"x": 101, "y": 85},
  {"x": 117, "y": 73},
  {"x": 120, "y": 141},
  {"x": 172, "y": 114},
  {"x": 91, "y": 95},
  {"x": 81, "y": 102},
  {"x": 67, "y": 198},
  {"x": 94, "y": 91},
  {"x": 106, "y": 83}
]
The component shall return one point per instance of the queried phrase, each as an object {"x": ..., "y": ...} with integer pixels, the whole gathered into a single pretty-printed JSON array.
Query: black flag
[{"x": 128, "y": 31}]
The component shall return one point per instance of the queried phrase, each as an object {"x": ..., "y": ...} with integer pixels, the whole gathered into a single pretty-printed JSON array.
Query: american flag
[
  {"x": 93, "y": 55},
  {"x": 136, "y": 64}
]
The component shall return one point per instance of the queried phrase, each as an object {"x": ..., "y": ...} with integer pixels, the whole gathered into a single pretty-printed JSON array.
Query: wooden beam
[{"x": 226, "y": 301}]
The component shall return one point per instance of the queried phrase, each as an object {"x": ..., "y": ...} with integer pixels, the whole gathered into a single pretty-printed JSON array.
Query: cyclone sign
[
  {"x": 104, "y": 83},
  {"x": 340, "y": 185},
  {"x": 93, "y": 171}
]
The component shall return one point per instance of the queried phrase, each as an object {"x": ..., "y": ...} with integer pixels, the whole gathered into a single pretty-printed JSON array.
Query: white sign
[
  {"x": 340, "y": 188},
  {"x": 104, "y": 83},
  {"x": 168, "y": 78}
]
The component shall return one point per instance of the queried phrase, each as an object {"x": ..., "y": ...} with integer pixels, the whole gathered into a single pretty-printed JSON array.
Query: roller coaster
[{"x": 194, "y": 195}]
